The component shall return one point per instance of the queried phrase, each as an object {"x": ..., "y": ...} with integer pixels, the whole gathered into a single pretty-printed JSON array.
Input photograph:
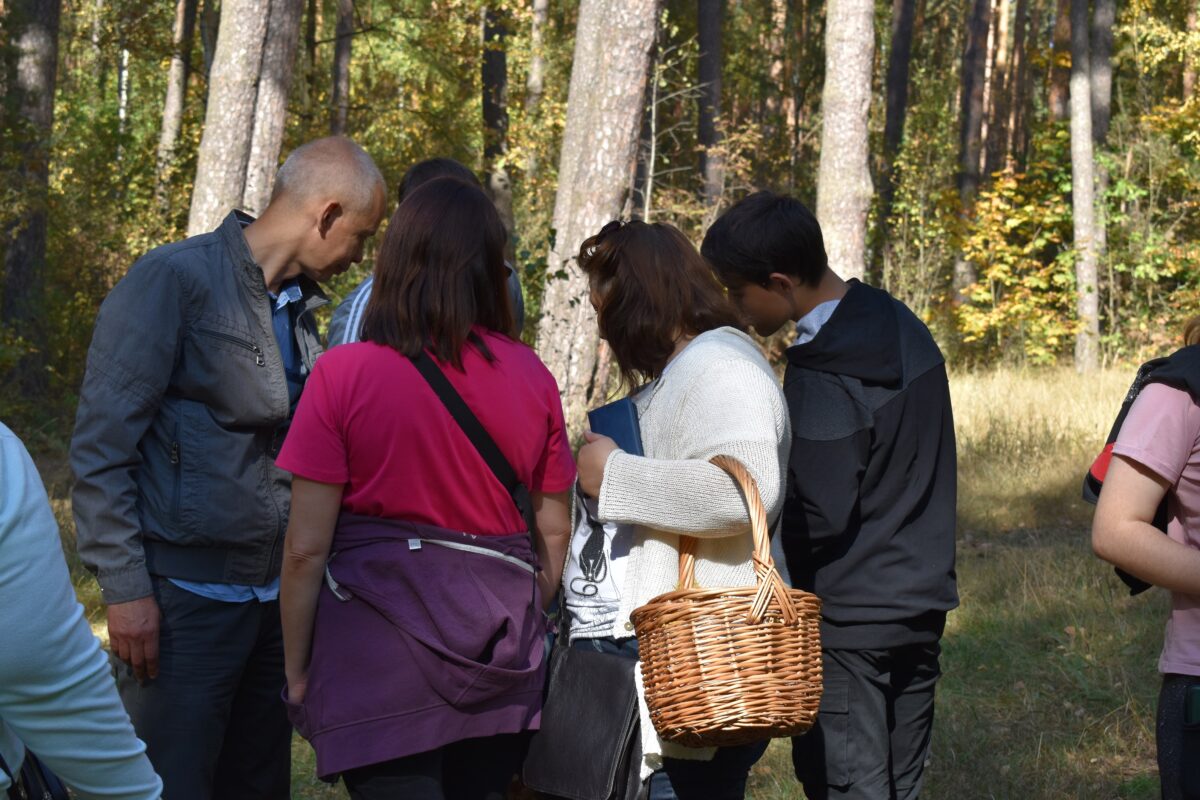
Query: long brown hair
[
  {"x": 651, "y": 287},
  {"x": 440, "y": 270},
  {"x": 1191, "y": 331}
]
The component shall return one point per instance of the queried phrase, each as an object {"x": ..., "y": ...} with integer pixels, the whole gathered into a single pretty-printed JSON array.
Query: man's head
[
  {"x": 769, "y": 253},
  {"x": 430, "y": 168},
  {"x": 333, "y": 194}
]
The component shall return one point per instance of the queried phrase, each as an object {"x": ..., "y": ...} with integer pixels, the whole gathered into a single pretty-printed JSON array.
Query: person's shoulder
[
  {"x": 719, "y": 345},
  {"x": 179, "y": 258},
  {"x": 345, "y": 358}
]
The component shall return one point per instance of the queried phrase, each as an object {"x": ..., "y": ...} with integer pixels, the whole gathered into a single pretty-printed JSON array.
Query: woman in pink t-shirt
[
  {"x": 1157, "y": 455},
  {"x": 412, "y": 589}
]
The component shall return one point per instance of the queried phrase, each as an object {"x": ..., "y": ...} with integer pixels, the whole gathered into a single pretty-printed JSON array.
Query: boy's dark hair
[
  {"x": 651, "y": 286},
  {"x": 439, "y": 272},
  {"x": 430, "y": 168},
  {"x": 765, "y": 233}
]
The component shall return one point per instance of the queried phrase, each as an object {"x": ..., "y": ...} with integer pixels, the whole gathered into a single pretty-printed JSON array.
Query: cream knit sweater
[{"x": 717, "y": 397}]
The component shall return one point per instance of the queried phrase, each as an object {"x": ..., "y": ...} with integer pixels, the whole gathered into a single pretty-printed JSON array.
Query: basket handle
[{"x": 770, "y": 584}]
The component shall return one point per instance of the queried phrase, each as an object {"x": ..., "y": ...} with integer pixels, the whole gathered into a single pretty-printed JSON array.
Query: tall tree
[
  {"x": 535, "y": 79},
  {"x": 970, "y": 138},
  {"x": 1104, "y": 17},
  {"x": 1018, "y": 90},
  {"x": 229, "y": 121},
  {"x": 270, "y": 106},
  {"x": 494, "y": 73},
  {"x": 844, "y": 174},
  {"x": 1001, "y": 76},
  {"x": 1083, "y": 203},
  {"x": 31, "y": 60},
  {"x": 1189, "y": 65},
  {"x": 899, "y": 58},
  {"x": 1058, "y": 96},
  {"x": 604, "y": 110},
  {"x": 710, "y": 15},
  {"x": 210, "y": 24},
  {"x": 344, "y": 38},
  {"x": 177, "y": 79}
]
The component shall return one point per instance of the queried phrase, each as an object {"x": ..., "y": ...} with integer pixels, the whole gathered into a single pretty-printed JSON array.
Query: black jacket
[{"x": 870, "y": 517}]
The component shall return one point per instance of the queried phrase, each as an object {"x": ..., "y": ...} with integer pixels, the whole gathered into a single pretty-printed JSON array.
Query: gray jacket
[{"x": 183, "y": 408}]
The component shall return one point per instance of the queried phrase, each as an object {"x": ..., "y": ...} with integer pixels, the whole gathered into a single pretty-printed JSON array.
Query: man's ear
[
  {"x": 780, "y": 283},
  {"x": 329, "y": 214}
]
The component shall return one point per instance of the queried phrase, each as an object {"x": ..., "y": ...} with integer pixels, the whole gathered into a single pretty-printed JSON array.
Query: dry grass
[{"x": 1050, "y": 682}]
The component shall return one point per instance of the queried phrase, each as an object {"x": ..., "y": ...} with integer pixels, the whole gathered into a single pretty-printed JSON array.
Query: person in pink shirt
[
  {"x": 1157, "y": 455},
  {"x": 412, "y": 586}
]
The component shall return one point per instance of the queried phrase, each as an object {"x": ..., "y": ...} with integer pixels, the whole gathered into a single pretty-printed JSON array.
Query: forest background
[{"x": 1025, "y": 174}]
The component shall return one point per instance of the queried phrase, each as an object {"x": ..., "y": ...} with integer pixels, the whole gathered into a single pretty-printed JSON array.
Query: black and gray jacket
[
  {"x": 183, "y": 408},
  {"x": 869, "y": 522}
]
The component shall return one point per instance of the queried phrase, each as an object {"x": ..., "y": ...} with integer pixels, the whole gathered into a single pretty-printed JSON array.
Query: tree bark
[
  {"x": 210, "y": 23},
  {"x": 270, "y": 107},
  {"x": 1189, "y": 64},
  {"x": 974, "y": 65},
  {"x": 1083, "y": 177},
  {"x": 844, "y": 174},
  {"x": 535, "y": 80},
  {"x": 494, "y": 74},
  {"x": 604, "y": 110},
  {"x": 1104, "y": 17},
  {"x": 899, "y": 58},
  {"x": 32, "y": 60},
  {"x": 177, "y": 79},
  {"x": 1059, "y": 95},
  {"x": 229, "y": 121},
  {"x": 1001, "y": 78},
  {"x": 340, "y": 99},
  {"x": 709, "y": 19},
  {"x": 1018, "y": 90}
]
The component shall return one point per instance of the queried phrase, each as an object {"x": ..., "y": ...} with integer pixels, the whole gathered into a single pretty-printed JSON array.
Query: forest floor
[{"x": 1049, "y": 666}]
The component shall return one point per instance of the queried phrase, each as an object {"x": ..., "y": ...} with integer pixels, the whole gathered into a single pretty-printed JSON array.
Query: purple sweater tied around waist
[{"x": 423, "y": 637}]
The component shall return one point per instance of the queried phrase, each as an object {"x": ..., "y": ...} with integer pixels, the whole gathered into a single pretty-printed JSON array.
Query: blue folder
[{"x": 618, "y": 421}]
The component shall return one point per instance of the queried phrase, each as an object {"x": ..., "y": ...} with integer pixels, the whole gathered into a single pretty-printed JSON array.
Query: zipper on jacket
[
  {"x": 225, "y": 337},
  {"x": 178, "y": 473}
]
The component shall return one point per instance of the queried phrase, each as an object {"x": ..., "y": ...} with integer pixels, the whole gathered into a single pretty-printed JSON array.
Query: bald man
[{"x": 198, "y": 358}]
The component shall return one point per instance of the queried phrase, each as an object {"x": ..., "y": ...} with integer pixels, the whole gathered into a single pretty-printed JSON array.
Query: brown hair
[
  {"x": 651, "y": 287},
  {"x": 1191, "y": 331},
  {"x": 440, "y": 271}
]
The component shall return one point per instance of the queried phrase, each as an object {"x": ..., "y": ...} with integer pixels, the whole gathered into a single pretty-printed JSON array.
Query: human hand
[
  {"x": 297, "y": 687},
  {"x": 590, "y": 462},
  {"x": 133, "y": 635}
]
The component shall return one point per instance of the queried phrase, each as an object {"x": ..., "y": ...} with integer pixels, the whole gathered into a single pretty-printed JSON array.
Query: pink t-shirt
[
  {"x": 1162, "y": 432},
  {"x": 367, "y": 419}
]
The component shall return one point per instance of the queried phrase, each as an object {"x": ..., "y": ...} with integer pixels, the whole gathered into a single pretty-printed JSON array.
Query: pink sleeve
[
  {"x": 555, "y": 470},
  {"x": 315, "y": 447},
  {"x": 1160, "y": 431}
]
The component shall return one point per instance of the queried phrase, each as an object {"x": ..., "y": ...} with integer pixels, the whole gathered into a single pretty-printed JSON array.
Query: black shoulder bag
[{"x": 34, "y": 781}]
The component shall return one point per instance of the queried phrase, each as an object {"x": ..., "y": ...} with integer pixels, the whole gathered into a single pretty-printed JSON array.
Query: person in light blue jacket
[{"x": 57, "y": 694}]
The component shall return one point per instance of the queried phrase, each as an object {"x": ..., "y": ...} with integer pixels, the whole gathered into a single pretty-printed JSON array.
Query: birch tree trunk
[
  {"x": 229, "y": 120},
  {"x": 604, "y": 110},
  {"x": 270, "y": 107},
  {"x": 710, "y": 15},
  {"x": 177, "y": 79},
  {"x": 1083, "y": 202},
  {"x": 1104, "y": 17},
  {"x": 344, "y": 38},
  {"x": 31, "y": 61},
  {"x": 844, "y": 174},
  {"x": 970, "y": 139}
]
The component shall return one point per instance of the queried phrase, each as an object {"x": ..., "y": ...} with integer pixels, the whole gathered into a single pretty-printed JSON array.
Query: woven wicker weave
[{"x": 727, "y": 666}]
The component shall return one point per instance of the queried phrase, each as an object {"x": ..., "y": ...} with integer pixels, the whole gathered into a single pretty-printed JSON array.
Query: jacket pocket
[{"x": 235, "y": 341}]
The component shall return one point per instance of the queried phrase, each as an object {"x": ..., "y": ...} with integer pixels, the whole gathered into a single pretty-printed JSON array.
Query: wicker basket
[{"x": 730, "y": 666}]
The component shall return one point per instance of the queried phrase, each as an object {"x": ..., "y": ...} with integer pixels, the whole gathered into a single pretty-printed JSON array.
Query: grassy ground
[{"x": 1050, "y": 681}]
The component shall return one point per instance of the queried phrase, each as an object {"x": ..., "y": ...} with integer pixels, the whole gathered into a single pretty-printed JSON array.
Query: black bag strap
[{"x": 478, "y": 435}]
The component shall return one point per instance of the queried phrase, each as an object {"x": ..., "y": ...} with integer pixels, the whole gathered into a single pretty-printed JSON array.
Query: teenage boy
[{"x": 868, "y": 525}]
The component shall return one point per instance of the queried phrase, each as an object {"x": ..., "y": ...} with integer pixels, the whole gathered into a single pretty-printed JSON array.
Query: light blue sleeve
[{"x": 57, "y": 694}]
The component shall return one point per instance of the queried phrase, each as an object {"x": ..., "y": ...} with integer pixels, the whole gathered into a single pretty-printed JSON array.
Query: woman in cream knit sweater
[{"x": 710, "y": 392}]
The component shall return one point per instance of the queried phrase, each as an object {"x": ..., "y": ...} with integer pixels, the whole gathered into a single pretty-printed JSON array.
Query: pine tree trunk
[
  {"x": 270, "y": 107},
  {"x": 899, "y": 58},
  {"x": 844, "y": 174},
  {"x": 604, "y": 110},
  {"x": 494, "y": 73},
  {"x": 1059, "y": 96},
  {"x": 1018, "y": 89},
  {"x": 1001, "y": 78},
  {"x": 709, "y": 18},
  {"x": 177, "y": 79},
  {"x": 340, "y": 99},
  {"x": 1083, "y": 181},
  {"x": 229, "y": 121},
  {"x": 970, "y": 134},
  {"x": 31, "y": 60}
]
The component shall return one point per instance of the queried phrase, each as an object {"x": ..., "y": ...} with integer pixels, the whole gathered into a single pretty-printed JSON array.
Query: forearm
[
  {"x": 300, "y": 586},
  {"x": 1143, "y": 551}
]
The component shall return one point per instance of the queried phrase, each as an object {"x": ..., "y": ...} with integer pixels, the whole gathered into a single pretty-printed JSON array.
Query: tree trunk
[
  {"x": 311, "y": 14},
  {"x": 32, "y": 60},
  {"x": 494, "y": 73},
  {"x": 177, "y": 78},
  {"x": 229, "y": 121},
  {"x": 1104, "y": 17},
  {"x": 210, "y": 23},
  {"x": 1018, "y": 90},
  {"x": 970, "y": 134},
  {"x": 535, "y": 80},
  {"x": 604, "y": 110},
  {"x": 899, "y": 58},
  {"x": 1083, "y": 178},
  {"x": 270, "y": 107},
  {"x": 709, "y": 18},
  {"x": 1189, "y": 63},
  {"x": 341, "y": 67},
  {"x": 1002, "y": 76},
  {"x": 1058, "y": 98},
  {"x": 844, "y": 174}
]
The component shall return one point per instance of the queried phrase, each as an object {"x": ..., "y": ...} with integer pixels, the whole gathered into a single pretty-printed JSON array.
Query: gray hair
[{"x": 335, "y": 166}]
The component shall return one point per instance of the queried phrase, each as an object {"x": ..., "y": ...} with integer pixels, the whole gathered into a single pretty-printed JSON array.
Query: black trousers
[
  {"x": 1178, "y": 742},
  {"x": 214, "y": 724},
  {"x": 873, "y": 730},
  {"x": 472, "y": 769}
]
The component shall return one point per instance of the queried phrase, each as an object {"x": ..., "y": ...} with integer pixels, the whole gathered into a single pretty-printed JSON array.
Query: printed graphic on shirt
[{"x": 595, "y": 570}]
